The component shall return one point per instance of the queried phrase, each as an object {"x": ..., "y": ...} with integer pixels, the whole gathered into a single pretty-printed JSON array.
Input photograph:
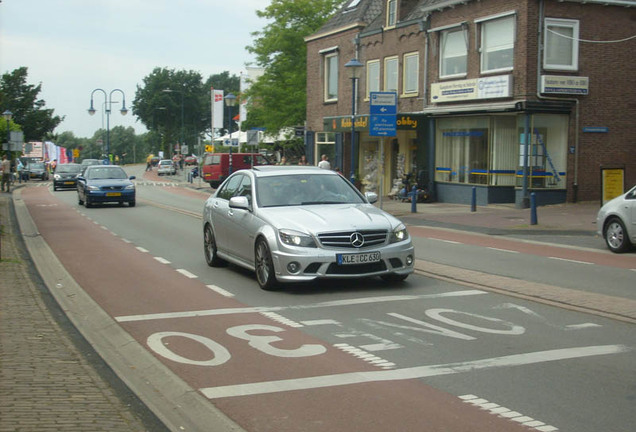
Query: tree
[
  {"x": 28, "y": 111},
  {"x": 173, "y": 102},
  {"x": 277, "y": 100}
]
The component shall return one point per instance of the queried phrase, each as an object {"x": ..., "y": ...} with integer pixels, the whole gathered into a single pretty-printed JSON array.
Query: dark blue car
[{"x": 105, "y": 184}]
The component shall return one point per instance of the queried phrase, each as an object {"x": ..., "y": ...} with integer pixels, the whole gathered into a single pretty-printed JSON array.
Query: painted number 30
[{"x": 221, "y": 354}]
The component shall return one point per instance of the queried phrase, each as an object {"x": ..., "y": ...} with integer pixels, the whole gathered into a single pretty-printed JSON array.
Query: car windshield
[
  {"x": 105, "y": 173},
  {"x": 36, "y": 166},
  {"x": 305, "y": 189},
  {"x": 67, "y": 169},
  {"x": 165, "y": 162}
]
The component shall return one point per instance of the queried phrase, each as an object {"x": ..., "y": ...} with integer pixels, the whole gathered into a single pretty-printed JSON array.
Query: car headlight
[
  {"x": 57, "y": 176},
  {"x": 296, "y": 238},
  {"x": 92, "y": 188},
  {"x": 132, "y": 186},
  {"x": 399, "y": 234}
]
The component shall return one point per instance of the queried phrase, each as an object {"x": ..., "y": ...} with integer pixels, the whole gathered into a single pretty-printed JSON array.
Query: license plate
[
  {"x": 69, "y": 183},
  {"x": 112, "y": 194},
  {"x": 360, "y": 258}
]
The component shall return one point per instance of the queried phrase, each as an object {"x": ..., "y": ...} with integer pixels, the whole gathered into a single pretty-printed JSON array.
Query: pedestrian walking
[{"x": 5, "y": 166}]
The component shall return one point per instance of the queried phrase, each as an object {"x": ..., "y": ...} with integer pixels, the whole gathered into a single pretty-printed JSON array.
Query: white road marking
[
  {"x": 503, "y": 250},
  {"x": 162, "y": 260},
  {"x": 570, "y": 260},
  {"x": 220, "y": 290},
  {"x": 281, "y": 319},
  {"x": 582, "y": 326},
  {"x": 320, "y": 322},
  {"x": 187, "y": 273},
  {"x": 408, "y": 373},
  {"x": 507, "y": 413},
  {"x": 140, "y": 249},
  {"x": 261, "y": 309},
  {"x": 367, "y": 357}
]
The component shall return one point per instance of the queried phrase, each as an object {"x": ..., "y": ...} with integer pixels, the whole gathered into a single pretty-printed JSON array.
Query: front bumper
[
  {"x": 110, "y": 196},
  {"x": 318, "y": 263}
]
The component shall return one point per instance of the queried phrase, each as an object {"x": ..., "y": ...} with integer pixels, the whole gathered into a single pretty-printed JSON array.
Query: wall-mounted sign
[
  {"x": 472, "y": 89},
  {"x": 557, "y": 84},
  {"x": 612, "y": 183},
  {"x": 596, "y": 129}
]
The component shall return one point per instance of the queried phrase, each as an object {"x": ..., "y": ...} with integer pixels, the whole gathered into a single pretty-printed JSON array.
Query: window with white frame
[
  {"x": 373, "y": 76},
  {"x": 391, "y": 74},
  {"x": 411, "y": 72},
  {"x": 391, "y": 13},
  {"x": 561, "y": 44},
  {"x": 453, "y": 56},
  {"x": 497, "y": 44},
  {"x": 331, "y": 77}
]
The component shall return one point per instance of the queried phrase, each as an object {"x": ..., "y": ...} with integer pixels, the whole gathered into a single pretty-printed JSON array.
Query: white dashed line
[
  {"x": 570, "y": 260},
  {"x": 367, "y": 357},
  {"x": 503, "y": 250},
  {"x": 507, "y": 413},
  {"x": 281, "y": 319},
  {"x": 140, "y": 249},
  {"x": 220, "y": 290},
  {"x": 320, "y": 322},
  {"x": 162, "y": 260},
  {"x": 187, "y": 273}
]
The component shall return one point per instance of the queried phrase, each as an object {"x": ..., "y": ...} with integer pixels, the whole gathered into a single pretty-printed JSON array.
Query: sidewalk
[{"x": 50, "y": 378}]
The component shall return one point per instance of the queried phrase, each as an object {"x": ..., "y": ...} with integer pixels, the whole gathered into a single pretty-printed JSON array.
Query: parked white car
[{"x": 616, "y": 222}]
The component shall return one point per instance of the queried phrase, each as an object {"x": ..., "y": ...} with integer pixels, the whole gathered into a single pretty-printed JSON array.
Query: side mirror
[
  {"x": 239, "y": 202},
  {"x": 372, "y": 197},
  {"x": 132, "y": 178}
]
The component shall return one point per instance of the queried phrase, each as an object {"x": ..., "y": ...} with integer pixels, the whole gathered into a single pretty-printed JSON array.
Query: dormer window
[{"x": 391, "y": 13}]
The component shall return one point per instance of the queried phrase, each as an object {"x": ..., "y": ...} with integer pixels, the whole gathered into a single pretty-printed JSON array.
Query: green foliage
[
  {"x": 28, "y": 111},
  {"x": 278, "y": 99}
]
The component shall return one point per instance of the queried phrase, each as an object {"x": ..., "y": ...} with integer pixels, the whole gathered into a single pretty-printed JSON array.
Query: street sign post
[{"x": 383, "y": 114}]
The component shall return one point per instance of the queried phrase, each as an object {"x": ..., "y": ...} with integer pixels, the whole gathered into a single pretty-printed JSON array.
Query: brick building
[{"x": 504, "y": 97}]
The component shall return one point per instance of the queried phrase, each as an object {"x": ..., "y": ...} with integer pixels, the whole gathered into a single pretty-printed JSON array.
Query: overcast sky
[{"x": 72, "y": 47}]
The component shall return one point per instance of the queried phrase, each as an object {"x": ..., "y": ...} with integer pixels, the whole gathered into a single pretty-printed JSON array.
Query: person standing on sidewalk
[{"x": 6, "y": 172}]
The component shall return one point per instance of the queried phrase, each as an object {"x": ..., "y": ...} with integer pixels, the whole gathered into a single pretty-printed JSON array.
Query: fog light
[
  {"x": 409, "y": 260},
  {"x": 293, "y": 267}
]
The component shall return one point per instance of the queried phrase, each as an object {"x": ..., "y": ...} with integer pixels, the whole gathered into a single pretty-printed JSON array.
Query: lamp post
[
  {"x": 182, "y": 117},
  {"x": 7, "y": 116},
  {"x": 108, "y": 97},
  {"x": 354, "y": 68},
  {"x": 230, "y": 101}
]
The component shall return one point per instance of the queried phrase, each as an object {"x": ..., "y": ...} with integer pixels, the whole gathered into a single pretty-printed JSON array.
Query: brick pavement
[{"x": 49, "y": 381}]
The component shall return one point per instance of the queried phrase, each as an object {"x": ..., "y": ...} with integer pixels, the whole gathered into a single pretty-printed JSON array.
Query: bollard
[
  {"x": 533, "y": 209},
  {"x": 473, "y": 200},
  {"x": 414, "y": 199}
]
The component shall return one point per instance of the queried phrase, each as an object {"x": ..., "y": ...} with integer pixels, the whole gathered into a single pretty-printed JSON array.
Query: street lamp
[
  {"x": 108, "y": 97},
  {"x": 230, "y": 101},
  {"x": 354, "y": 68},
  {"x": 7, "y": 116}
]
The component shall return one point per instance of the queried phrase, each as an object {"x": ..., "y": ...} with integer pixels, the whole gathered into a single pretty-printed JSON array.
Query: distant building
[{"x": 507, "y": 96}]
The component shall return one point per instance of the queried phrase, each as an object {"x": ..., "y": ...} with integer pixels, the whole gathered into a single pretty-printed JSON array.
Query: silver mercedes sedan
[{"x": 295, "y": 224}]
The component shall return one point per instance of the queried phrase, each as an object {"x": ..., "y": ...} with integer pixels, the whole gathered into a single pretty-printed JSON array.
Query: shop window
[
  {"x": 497, "y": 44},
  {"x": 453, "y": 53},
  {"x": 411, "y": 73},
  {"x": 561, "y": 44},
  {"x": 331, "y": 77},
  {"x": 373, "y": 77},
  {"x": 391, "y": 74}
]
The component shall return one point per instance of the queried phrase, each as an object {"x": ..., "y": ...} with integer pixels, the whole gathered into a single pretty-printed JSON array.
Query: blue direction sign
[{"x": 383, "y": 114}]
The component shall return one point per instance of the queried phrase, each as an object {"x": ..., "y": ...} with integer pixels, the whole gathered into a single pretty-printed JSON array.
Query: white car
[
  {"x": 616, "y": 222},
  {"x": 165, "y": 166},
  {"x": 295, "y": 224}
]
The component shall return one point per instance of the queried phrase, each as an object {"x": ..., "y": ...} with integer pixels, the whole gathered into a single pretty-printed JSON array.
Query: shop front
[{"x": 382, "y": 162}]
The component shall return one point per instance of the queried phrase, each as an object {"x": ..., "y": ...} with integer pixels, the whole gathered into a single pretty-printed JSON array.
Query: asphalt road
[{"x": 428, "y": 354}]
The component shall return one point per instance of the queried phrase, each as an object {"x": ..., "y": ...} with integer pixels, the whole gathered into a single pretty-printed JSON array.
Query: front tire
[
  {"x": 616, "y": 236},
  {"x": 265, "y": 273},
  {"x": 209, "y": 248}
]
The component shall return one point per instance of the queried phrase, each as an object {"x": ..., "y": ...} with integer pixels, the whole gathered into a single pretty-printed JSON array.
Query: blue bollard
[
  {"x": 414, "y": 199},
  {"x": 473, "y": 200},
  {"x": 533, "y": 209}
]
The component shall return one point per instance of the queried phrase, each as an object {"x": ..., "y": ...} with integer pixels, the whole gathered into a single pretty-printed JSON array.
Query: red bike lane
[{"x": 264, "y": 375}]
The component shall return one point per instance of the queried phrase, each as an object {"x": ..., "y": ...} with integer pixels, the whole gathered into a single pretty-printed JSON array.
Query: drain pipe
[{"x": 540, "y": 48}]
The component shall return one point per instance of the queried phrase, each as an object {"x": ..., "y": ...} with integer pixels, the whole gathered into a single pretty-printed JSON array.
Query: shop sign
[
  {"x": 473, "y": 89},
  {"x": 555, "y": 84},
  {"x": 406, "y": 122},
  {"x": 343, "y": 124}
]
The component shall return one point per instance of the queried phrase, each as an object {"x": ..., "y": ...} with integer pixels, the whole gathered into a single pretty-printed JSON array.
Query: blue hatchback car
[{"x": 105, "y": 184}]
